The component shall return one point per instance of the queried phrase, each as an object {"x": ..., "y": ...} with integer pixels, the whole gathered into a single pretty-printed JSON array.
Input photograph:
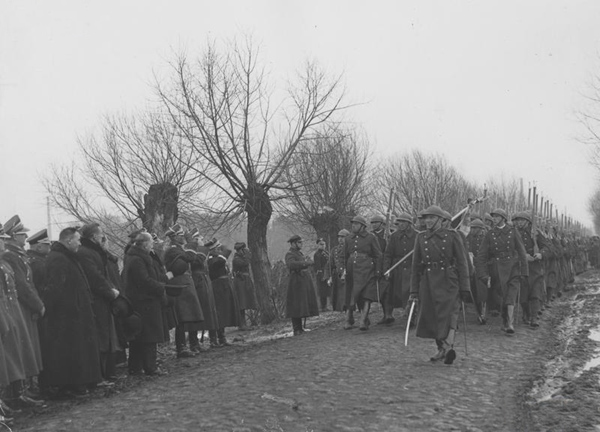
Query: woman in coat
[
  {"x": 145, "y": 286},
  {"x": 242, "y": 281},
  {"x": 301, "y": 296}
]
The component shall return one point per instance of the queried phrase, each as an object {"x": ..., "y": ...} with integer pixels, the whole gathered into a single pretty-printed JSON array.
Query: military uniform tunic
[{"x": 439, "y": 273}]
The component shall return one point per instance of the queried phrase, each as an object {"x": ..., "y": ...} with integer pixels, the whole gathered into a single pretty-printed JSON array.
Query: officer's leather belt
[
  {"x": 360, "y": 255},
  {"x": 436, "y": 265},
  {"x": 502, "y": 258}
]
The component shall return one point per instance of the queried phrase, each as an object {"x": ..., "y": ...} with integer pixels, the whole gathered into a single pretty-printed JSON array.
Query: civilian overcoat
[{"x": 301, "y": 297}]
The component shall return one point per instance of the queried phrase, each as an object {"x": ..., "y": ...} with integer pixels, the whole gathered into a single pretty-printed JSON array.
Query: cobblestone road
[{"x": 326, "y": 380}]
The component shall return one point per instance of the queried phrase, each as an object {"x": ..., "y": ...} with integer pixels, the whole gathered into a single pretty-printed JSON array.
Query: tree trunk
[
  {"x": 160, "y": 208},
  {"x": 259, "y": 211}
]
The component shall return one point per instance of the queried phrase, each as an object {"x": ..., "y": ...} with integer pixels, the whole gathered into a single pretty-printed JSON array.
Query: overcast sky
[{"x": 494, "y": 85}]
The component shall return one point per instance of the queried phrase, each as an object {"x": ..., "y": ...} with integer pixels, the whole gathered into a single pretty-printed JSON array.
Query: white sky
[{"x": 492, "y": 84}]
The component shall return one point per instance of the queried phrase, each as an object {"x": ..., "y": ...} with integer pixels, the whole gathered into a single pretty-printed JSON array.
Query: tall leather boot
[
  {"x": 242, "y": 326},
  {"x": 449, "y": 347},
  {"x": 483, "y": 308},
  {"x": 504, "y": 318},
  {"x": 212, "y": 336},
  {"x": 222, "y": 338},
  {"x": 510, "y": 309},
  {"x": 534, "y": 306},
  {"x": 364, "y": 318},
  {"x": 349, "y": 320},
  {"x": 441, "y": 353},
  {"x": 526, "y": 312}
]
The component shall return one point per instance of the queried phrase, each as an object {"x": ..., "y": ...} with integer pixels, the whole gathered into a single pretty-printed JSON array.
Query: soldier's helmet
[
  {"x": 499, "y": 212},
  {"x": 377, "y": 218},
  {"x": 404, "y": 217},
  {"x": 447, "y": 215},
  {"x": 488, "y": 217},
  {"x": 360, "y": 220},
  {"x": 476, "y": 223},
  {"x": 433, "y": 211},
  {"x": 343, "y": 233},
  {"x": 522, "y": 215}
]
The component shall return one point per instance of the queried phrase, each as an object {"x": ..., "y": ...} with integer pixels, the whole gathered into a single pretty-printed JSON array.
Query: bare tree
[
  {"x": 327, "y": 181},
  {"x": 222, "y": 104},
  {"x": 137, "y": 167}
]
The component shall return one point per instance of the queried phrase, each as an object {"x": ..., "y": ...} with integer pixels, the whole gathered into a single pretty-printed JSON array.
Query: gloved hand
[
  {"x": 485, "y": 281},
  {"x": 537, "y": 256},
  {"x": 413, "y": 298},
  {"x": 530, "y": 258},
  {"x": 465, "y": 296}
]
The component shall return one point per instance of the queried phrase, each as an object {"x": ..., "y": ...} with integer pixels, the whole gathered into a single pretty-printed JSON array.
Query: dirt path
[{"x": 334, "y": 380}]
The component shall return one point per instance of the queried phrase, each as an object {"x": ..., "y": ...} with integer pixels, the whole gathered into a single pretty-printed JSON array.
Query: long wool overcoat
[
  {"x": 187, "y": 305},
  {"x": 242, "y": 280},
  {"x": 37, "y": 262},
  {"x": 70, "y": 343},
  {"x": 228, "y": 310},
  {"x": 94, "y": 261},
  {"x": 146, "y": 291},
  {"x": 474, "y": 240},
  {"x": 364, "y": 261},
  {"x": 322, "y": 272},
  {"x": 29, "y": 299},
  {"x": 205, "y": 292},
  {"x": 301, "y": 296},
  {"x": 339, "y": 295},
  {"x": 533, "y": 289},
  {"x": 503, "y": 249},
  {"x": 439, "y": 273},
  {"x": 401, "y": 243}
]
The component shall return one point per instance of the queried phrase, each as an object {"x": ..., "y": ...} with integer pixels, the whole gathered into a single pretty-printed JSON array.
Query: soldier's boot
[
  {"x": 364, "y": 317},
  {"x": 212, "y": 337},
  {"x": 526, "y": 308},
  {"x": 510, "y": 309},
  {"x": 349, "y": 320},
  {"x": 441, "y": 352},
  {"x": 483, "y": 308},
  {"x": 242, "y": 326},
  {"x": 388, "y": 313},
  {"x": 534, "y": 306},
  {"x": 449, "y": 347},
  {"x": 504, "y": 318},
  {"x": 222, "y": 338}
]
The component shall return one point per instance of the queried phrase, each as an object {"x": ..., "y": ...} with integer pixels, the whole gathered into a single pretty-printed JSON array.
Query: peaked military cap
[
  {"x": 40, "y": 237},
  {"x": 15, "y": 226},
  {"x": 360, "y": 220},
  {"x": 377, "y": 218},
  {"x": 499, "y": 212},
  {"x": 294, "y": 238},
  {"x": 3, "y": 235},
  {"x": 404, "y": 217},
  {"x": 195, "y": 233},
  {"x": 239, "y": 245},
  {"x": 212, "y": 244},
  {"x": 522, "y": 215},
  {"x": 175, "y": 230},
  {"x": 434, "y": 211},
  {"x": 343, "y": 233},
  {"x": 476, "y": 223}
]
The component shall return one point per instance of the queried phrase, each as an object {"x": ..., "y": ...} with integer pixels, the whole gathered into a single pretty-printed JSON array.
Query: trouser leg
[
  {"x": 193, "y": 340},
  {"x": 135, "y": 361},
  {"x": 180, "y": 338},
  {"x": 149, "y": 357}
]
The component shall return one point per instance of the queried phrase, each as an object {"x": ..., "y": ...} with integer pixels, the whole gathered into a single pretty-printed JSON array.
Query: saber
[
  {"x": 404, "y": 258},
  {"x": 412, "y": 309},
  {"x": 465, "y": 324}
]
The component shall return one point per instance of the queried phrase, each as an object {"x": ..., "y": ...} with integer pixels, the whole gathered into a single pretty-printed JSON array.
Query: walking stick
[
  {"x": 465, "y": 324},
  {"x": 412, "y": 309}
]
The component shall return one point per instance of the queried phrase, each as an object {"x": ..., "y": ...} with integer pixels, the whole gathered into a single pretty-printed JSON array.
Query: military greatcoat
[
  {"x": 242, "y": 281},
  {"x": 322, "y": 273},
  {"x": 37, "y": 262},
  {"x": 474, "y": 240},
  {"x": 301, "y": 297},
  {"x": 401, "y": 243},
  {"x": 533, "y": 287},
  {"x": 339, "y": 297},
  {"x": 187, "y": 305},
  {"x": 364, "y": 260},
  {"x": 204, "y": 290},
  {"x": 228, "y": 309},
  {"x": 504, "y": 249},
  {"x": 439, "y": 273}
]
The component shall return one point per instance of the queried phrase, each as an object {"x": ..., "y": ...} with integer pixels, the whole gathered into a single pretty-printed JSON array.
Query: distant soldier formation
[{"x": 70, "y": 314}]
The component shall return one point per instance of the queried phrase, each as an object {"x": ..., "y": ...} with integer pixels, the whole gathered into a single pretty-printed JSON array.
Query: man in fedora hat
[
  {"x": 301, "y": 300},
  {"x": 401, "y": 243},
  {"x": 503, "y": 248},
  {"x": 440, "y": 279},
  {"x": 363, "y": 260}
]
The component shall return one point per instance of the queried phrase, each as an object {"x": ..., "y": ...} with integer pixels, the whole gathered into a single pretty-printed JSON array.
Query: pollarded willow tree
[
  {"x": 327, "y": 180},
  {"x": 134, "y": 168},
  {"x": 223, "y": 104}
]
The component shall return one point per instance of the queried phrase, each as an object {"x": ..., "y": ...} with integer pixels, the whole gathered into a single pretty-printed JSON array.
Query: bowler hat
[
  {"x": 499, "y": 212},
  {"x": 434, "y": 211},
  {"x": 404, "y": 217},
  {"x": 360, "y": 220}
]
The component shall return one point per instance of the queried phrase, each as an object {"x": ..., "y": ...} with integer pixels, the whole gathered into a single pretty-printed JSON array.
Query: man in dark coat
[
  {"x": 70, "y": 345},
  {"x": 440, "y": 278},
  {"x": 363, "y": 259},
  {"x": 187, "y": 305},
  {"x": 401, "y": 243},
  {"x": 29, "y": 299},
  {"x": 339, "y": 298},
  {"x": 378, "y": 229},
  {"x": 301, "y": 299},
  {"x": 503, "y": 247},
  {"x": 39, "y": 248},
  {"x": 94, "y": 260},
  {"x": 145, "y": 286},
  {"x": 478, "y": 288},
  {"x": 322, "y": 272},
  {"x": 242, "y": 281},
  {"x": 532, "y": 287},
  {"x": 228, "y": 310}
]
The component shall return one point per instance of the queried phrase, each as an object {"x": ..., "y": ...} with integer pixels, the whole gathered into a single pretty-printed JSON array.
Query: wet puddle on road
[{"x": 595, "y": 361}]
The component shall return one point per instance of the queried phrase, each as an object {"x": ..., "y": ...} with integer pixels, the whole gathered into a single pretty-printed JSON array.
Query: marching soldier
[
  {"x": 401, "y": 243},
  {"x": 503, "y": 247},
  {"x": 301, "y": 299},
  {"x": 363, "y": 260},
  {"x": 440, "y": 278},
  {"x": 478, "y": 288},
  {"x": 532, "y": 287}
]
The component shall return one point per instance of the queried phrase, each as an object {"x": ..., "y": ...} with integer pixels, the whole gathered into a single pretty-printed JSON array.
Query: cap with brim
[
  {"x": 294, "y": 238},
  {"x": 212, "y": 244},
  {"x": 40, "y": 237},
  {"x": 195, "y": 233},
  {"x": 14, "y": 226},
  {"x": 175, "y": 230},
  {"x": 3, "y": 235}
]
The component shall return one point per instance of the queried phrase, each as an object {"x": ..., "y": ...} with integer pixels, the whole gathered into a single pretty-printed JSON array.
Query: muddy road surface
[{"x": 330, "y": 379}]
